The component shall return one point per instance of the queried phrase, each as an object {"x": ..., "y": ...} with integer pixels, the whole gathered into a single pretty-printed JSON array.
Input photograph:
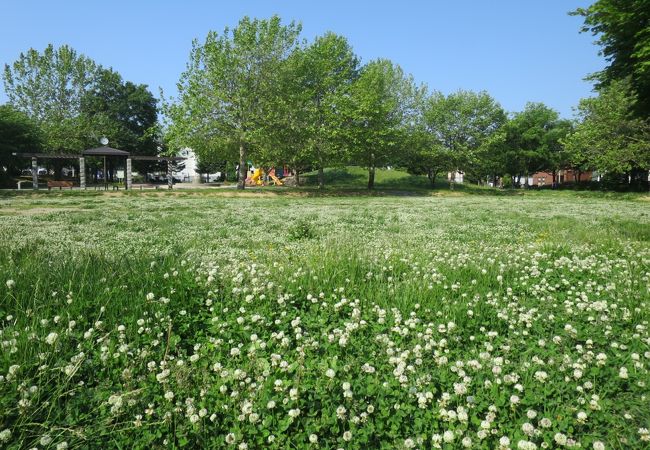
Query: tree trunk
[
  {"x": 431, "y": 174},
  {"x": 321, "y": 178},
  {"x": 371, "y": 172},
  {"x": 243, "y": 166},
  {"x": 297, "y": 177}
]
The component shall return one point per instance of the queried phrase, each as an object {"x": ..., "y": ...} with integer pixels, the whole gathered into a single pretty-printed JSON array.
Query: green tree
[
  {"x": 380, "y": 106},
  {"x": 18, "y": 134},
  {"x": 49, "y": 87},
  {"x": 608, "y": 138},
  {"x": 230, "y": 85},
  {"x": 124, "y": 112},
  {"x": 532, "y": 141},
  {"x": 623, "y": 30},
  {"x": 325, "y": 75},
  {"x": 461, "y": 124}
]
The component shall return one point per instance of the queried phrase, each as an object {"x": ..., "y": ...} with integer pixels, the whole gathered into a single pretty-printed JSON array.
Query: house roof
[{"x": 104, "y": 151}]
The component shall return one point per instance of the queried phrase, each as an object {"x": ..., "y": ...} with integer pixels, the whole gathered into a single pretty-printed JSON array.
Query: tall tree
[
  {"x": 622, "y": 27},
  {"x": 224, "y": 94},
  {"x": 380, "y": 105},
  {"x": 325, "y": 75},
  {"x": 608, "y": 138},
  {"x": 48, "y": 87},
  {"x": 123, "y": 111}
]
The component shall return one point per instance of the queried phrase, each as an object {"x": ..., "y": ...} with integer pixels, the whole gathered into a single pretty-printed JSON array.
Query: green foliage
[
  {"x": 403, "y": 322},
  {"x": 608, "y": 138},
  {"x": 532, "y": 141},
  {"x": 622, "y": 29},
  {"x": 229, "y": 88},
  {"x": 380, "y": 105},
  {"x": 49, "y": 88},
  {"x": 18, "y": 134},
  {"x": 124, "y": 112}
]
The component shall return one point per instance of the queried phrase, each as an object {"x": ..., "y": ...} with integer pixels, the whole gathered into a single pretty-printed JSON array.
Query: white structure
[
  {"x": 189, "y": 174},
  {"x": 456, "y": 177}
]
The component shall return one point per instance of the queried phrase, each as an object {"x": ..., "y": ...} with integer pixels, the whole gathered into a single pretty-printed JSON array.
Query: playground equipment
[{"x": 257, "y": 178}]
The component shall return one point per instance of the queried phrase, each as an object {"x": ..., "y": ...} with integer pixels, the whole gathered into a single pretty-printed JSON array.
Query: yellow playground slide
[{"x": 256, "y": 178}]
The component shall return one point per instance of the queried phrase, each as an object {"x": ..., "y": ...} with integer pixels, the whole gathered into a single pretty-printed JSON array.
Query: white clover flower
[
  {"x": 598, "y": 445},
  {"x": 466, "y": 442},
  {"x": 409, "y": 443},
  {"x": 504, "y": 441},
  {"x": 560, "y": 438},
  {"x": 514, "y": 399},
  {"x": 526, "y": 445},
  {"x": 150, "y": 296},
  {"x": 169, "y": 395},
  {"x": 313, "y": 438},
  {"x": 622, "y": 373},
  {"x": 10, "y": 284},
  {"x": 448, "y": 436},
  {"x": 644, "y": 434},
  {"x": 582, "y": 417},
  {"x": 51, "y": 338},
  {"x": 230, "y": 438},
  {"x": 347, "y": 436},
  {"x": 5, "y": 434},
  {"x": 62, "y": 445},
  {"x": 45, "y": 440},
  {"x": 329, "y": 373},
  {"x": 545, "y": 422},
  {"x": 528, "y": 429},
  {"x": 293, "y": 413}
]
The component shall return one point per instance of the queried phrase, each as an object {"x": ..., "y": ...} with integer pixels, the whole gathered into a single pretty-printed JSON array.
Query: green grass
[{"x": 419, "y": 305}]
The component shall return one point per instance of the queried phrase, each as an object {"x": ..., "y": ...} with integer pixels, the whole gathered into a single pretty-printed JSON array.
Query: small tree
[{"x": 18, "y": 134}]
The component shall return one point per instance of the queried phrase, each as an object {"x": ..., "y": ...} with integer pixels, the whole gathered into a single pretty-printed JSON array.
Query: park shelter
[{"x": 99, "y": 152}]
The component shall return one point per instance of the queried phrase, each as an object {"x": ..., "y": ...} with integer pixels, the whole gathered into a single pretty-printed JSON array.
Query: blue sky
[{"x": 518, "y": 51}]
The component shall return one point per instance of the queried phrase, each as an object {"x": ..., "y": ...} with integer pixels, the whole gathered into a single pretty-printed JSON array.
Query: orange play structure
[{"x": 257, "y": 178}]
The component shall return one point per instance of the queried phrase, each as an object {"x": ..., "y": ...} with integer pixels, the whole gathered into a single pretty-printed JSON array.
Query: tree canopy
[{"x": 623, "y": 30}]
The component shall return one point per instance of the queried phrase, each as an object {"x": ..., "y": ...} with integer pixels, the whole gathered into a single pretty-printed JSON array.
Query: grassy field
[{"x": 467, "y": 319}]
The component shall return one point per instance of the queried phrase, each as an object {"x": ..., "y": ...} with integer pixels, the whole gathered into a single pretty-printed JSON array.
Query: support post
[
  {"x": 170, "y": 179},
  {"x": 34, "y": 173},
  {"x": 128, "y": 174},
  {"x": 82, "y": 173}
]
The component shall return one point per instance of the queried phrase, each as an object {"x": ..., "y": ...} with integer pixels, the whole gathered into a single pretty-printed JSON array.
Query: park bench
[{"x": 59, "y": 184}]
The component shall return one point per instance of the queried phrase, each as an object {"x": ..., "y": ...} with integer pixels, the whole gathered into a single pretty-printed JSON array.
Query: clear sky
[{"x": 517, "y": 50}]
